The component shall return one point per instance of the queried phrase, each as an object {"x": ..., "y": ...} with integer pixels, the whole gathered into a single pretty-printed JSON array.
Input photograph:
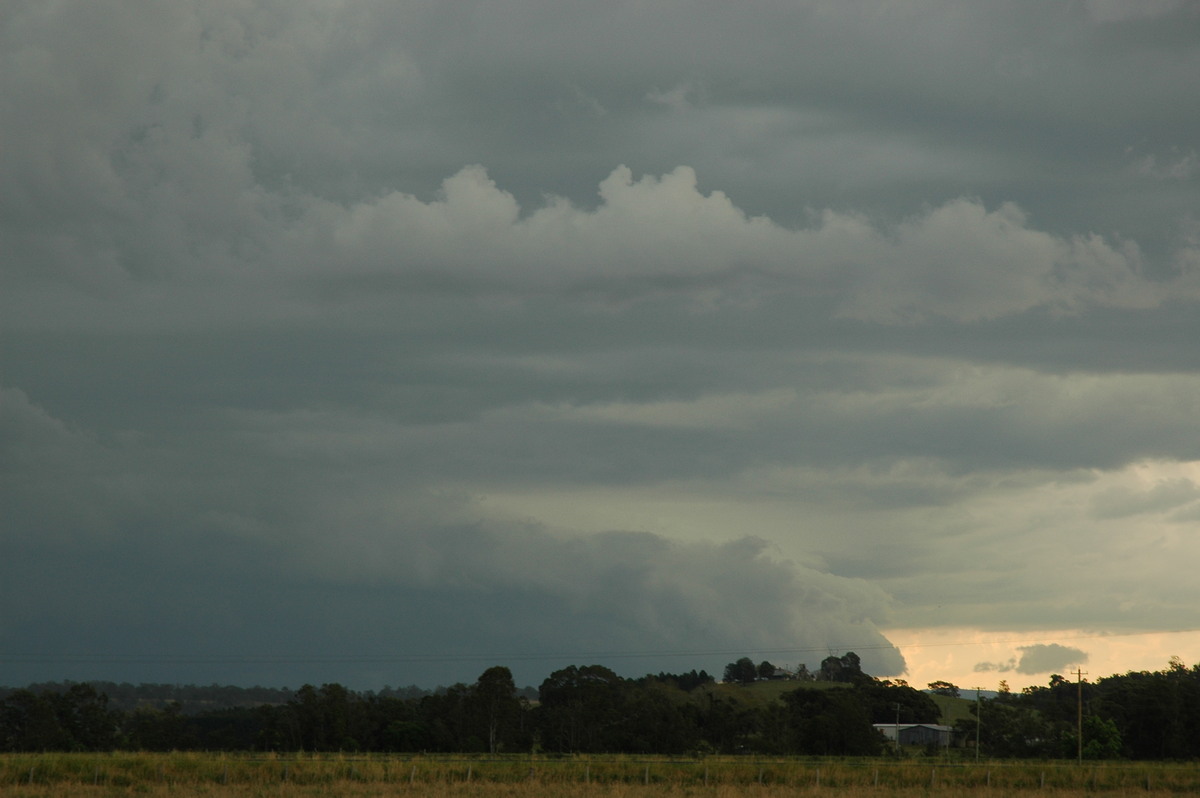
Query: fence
[{"x": 128, "y": 769}]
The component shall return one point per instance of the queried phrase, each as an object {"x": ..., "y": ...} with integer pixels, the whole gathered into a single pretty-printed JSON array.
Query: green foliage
[
  {"x": 1102, "y": 739},
  {"x": 77, "y": 720},
  {"x": 742, "y": 672},
  {"x": 493, "y": 703},
  {"x": 590, "y": 709},
  {"x": 885, "y": 702},
  {"x": 1157, "y": 714},
  {"x": 830, "y": 722},
  {"x": 846, "y": 668},
  {"x": 1011, "y": 730},
  {"x": 686, "y": 682},
  {"x": 944, "y": 688}
]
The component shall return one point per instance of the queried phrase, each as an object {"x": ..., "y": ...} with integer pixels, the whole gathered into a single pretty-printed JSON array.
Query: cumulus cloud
[
  {"x": 313, "y": 311},
  {"x": 1177, "y": 165},
  {"x": 959, "y": 261},
  {"x": 1039, "y": 658},
  {"x": 186, "y": 163},
  {"x": 679, "y": 98},
  {"x": 650, "y": 236}
]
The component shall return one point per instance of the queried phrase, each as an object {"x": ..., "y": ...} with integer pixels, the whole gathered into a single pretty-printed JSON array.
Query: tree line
[
  {"x": 1135, "y": 715},
  {"x": 585, "y": 709},
  {"x": 590, "y": 709}
]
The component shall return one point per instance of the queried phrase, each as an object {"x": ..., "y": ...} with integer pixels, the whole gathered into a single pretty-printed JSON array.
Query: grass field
[
  {"x": 489, "y": 790},
  {"x": 186, "y": 774}
]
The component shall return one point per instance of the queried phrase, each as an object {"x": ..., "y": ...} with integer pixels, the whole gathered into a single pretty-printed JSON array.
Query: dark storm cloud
[
  {"x": 209, "y": 545},
  {"x": 350, "y": 325}
]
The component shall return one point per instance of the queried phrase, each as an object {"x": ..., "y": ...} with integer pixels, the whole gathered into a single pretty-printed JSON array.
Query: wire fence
[{"x": 130, "y": 769}]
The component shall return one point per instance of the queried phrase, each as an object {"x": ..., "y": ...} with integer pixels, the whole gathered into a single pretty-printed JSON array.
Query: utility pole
[
  {"x": 1079, "y": 706},
  {"x": 978, "y": 720}
]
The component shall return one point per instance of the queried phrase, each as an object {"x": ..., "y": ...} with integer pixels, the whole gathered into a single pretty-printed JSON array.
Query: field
[{"x": 184, "y": 774}]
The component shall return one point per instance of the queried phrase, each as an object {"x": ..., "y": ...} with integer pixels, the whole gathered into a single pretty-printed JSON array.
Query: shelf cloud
[{"x": 435, "y": 335}]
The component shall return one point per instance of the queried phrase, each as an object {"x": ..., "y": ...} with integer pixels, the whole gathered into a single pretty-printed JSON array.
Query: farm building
[{"x": 918, "y": 733}]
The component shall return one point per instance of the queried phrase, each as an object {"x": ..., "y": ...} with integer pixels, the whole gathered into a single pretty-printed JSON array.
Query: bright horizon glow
[{"x": 952, "y": 654}]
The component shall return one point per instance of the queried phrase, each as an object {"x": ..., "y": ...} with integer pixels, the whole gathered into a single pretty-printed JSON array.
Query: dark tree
[
  {"x": 75, "y": 720},
  {"x": 686, "y": 682},
  {"x": 1009, "y": 729},
  {"x": 493, "y": 700},
  {"x": 884, "y": 702},
  {"x": 657, "y": 721},
  {"x": 726, "y": 725},
  {"x": 449, "y": 719},
  {"x": 151, "y": 729},
  {"x": 581, "y": 710},
  {"x": 830, "y": 723},
  {"x": 331, "y": 718},
  {"x": 944, "y": 688},
  {"x": 743, "y": 671},
  {"x": 846, "y": 668}
]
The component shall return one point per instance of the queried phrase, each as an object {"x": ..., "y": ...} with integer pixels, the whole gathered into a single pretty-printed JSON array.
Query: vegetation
[
  {"x": 590, "y": 710},
  {"x": 533, "y": 776},
  {"x": 1137, "y": 715}
]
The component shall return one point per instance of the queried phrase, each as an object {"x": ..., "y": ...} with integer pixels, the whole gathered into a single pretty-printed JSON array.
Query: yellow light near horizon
[{"x": 953, "y": 654}]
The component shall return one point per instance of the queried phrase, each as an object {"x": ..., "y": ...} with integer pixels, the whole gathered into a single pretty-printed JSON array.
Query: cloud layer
[{"x": 428, "y": 335}]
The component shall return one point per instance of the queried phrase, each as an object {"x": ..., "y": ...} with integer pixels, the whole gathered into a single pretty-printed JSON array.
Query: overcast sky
[{"x": 383, "y": 342}]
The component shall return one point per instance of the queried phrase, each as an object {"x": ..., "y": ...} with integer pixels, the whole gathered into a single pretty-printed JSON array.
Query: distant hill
[
  {"x": 192, "y": 699},
  {"x": 953, "y": 709},
  {"x": 761, "y": 693},
  {"x": 196, "y": 699}
]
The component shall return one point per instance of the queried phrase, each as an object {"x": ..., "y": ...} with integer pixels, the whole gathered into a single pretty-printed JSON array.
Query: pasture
[{"x": 192, "y": 774}]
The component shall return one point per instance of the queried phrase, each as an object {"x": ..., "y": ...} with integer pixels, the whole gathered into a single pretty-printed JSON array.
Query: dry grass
[
  {"x": 241, "y": 776},
  {"x": 525, "y": 790}
]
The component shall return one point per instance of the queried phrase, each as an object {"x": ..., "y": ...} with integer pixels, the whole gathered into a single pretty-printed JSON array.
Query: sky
[{"x": 381, "y": 342}]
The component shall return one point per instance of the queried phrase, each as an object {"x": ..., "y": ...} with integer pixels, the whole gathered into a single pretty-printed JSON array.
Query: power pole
[
  {"x": 978, "y": 720},
  {"x": 1079, "y": 706}
]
